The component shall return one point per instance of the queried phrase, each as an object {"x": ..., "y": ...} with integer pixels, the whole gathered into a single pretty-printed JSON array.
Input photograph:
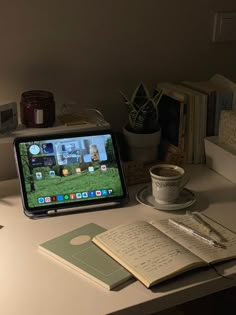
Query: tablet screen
[{"x": 68, "y": 170}]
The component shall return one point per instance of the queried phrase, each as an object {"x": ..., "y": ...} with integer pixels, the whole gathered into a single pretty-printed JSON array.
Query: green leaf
[
  {"x": 140, "y": 95},
  {"x": 157, "y": 97},
  {"x": 125, "y": 98}
]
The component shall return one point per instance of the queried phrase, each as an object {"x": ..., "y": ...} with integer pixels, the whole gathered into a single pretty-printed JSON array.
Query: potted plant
[{"x": 142, "y": 133}]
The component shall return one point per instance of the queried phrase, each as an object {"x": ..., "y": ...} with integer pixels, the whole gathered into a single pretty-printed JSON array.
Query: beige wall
[{"x": 88, "y": 50}]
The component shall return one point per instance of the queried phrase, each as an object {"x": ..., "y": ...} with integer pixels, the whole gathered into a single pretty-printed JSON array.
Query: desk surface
[{"x": 32, "y": 283}]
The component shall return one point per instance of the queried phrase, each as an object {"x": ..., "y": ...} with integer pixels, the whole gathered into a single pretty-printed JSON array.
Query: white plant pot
[{"x": 142, "y": 147}]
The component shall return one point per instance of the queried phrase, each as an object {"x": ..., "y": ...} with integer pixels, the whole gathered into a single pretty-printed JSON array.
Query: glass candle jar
[{"x": 37, "y": 108}]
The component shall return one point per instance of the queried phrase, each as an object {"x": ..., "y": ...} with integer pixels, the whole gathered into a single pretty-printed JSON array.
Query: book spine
[
  {"x": 227, "y": 128},
  {"x": 190, "y": 130},
  {"x": 217, "y": 112},
  {"x": 203, "y": 119},
  {"x": 181, "y": 126},
  {"x": 223, "y": 102},
  {"x": 199, "y": 127},
  {"x": 180, "y": 101},
  {"x": 172, "y": 112},
  {"x": 196, "y": 125},
  {"x": 228, "y": 101},
  {"x": 211, "y": 109}
]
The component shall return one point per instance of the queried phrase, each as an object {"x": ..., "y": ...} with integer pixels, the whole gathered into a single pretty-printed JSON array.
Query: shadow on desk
[
  {"x": 221, "y": 195},
  {"x": 8, "y": 189},
  {"x": 219, "y": 303},
  {"x": 124, "y": 285},
  {"x": 184, "y": 280}
]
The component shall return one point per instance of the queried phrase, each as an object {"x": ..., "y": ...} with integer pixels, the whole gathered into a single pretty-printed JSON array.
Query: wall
[{"x": 88, "y": 50}]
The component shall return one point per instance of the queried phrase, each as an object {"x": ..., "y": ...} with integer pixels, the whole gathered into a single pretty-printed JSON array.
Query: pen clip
[
  {"x": 206, "y": 226},
  {"x": 195, "y": 233}
]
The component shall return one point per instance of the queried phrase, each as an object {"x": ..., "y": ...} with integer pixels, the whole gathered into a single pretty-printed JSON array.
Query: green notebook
[{"x": 76, "y": 250}]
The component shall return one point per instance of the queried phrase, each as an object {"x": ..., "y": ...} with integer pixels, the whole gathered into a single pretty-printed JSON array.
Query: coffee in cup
[{"x": 167, "y": 182}]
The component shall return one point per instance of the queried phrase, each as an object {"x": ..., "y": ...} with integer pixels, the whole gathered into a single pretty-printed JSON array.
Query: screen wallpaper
[{"x": 66, "y": 170}]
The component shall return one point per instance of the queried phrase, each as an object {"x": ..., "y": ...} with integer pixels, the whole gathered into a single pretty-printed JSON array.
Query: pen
[
  {"x": 195, "y": 233},
  {"x": 208, "y": 228}
]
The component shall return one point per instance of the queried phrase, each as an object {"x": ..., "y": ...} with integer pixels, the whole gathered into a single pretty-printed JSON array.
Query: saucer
[{"x": 186, "y": 199}]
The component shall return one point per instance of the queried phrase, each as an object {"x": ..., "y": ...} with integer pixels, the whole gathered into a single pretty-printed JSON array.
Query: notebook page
[
  {"x": 146, "y": 252},
  {"x": 208, "y": 253}
]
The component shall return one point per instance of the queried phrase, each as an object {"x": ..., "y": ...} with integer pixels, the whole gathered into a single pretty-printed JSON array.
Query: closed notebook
[{"x": 76, "y": 250}]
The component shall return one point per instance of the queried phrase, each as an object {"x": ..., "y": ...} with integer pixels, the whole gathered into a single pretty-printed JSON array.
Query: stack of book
[
  {"x": 219, "y": 97},
  {"x": 221, "y": 149},
  {"x": 190, "y": 111}
]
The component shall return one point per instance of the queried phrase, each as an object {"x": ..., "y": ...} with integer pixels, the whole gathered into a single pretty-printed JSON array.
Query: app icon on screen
[
  {"x": 66, "y": 197},
  {"x": 65, "y": 172},
  {"x": 72, "y": 196},
  {"x": 38, "y": 175},
  {"x": 84, "y": 194},
  {"x": 47, "y": 199},
  {"x": 104, "y": 192},
  {"x": 52, "y": 173},
  {"x": 92, "y": 194},
  {"x": 60, "y": 198},
  {"x": 78, "y": 170},
  {"x": 103, "y": 167},
  {"x": 78, "y": 195},
  {"x": 40, "y": 200}
]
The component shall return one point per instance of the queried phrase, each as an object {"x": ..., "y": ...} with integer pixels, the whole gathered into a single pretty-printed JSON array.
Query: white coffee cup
[{"x": 167, "y": 182}]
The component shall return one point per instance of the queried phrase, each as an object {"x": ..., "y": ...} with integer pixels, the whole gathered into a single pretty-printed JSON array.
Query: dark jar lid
[{"x": 37, "y": 95}]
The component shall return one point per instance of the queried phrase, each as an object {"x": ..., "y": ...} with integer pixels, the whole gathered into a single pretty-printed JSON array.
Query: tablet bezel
[{"x": 72, "y": 207}]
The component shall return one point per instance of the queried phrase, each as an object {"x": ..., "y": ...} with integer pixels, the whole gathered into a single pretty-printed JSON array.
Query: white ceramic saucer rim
[{"x": 167, "y": 207}]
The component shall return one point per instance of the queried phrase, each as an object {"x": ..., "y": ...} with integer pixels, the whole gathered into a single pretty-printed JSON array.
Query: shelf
[{"x": 8, "y": 138}]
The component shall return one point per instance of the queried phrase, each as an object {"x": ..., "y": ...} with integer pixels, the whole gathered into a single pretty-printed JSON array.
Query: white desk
[{"x": 31, "y": 283}]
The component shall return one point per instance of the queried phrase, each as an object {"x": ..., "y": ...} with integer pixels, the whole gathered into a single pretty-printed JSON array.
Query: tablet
[{"x": 62, "y": 173}]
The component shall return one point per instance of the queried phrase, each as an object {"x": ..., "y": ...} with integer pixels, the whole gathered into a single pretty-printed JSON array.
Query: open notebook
[{"x": 155, "y": 251}]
